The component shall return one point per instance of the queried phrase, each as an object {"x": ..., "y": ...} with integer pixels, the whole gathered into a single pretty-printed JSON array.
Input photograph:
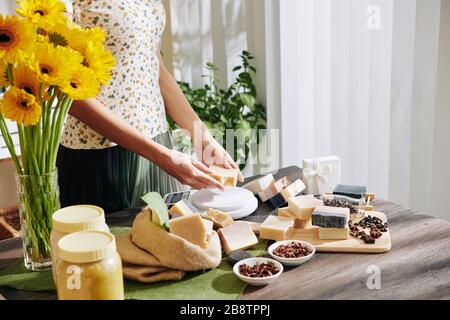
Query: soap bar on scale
[{"x": 227, "y": 177}]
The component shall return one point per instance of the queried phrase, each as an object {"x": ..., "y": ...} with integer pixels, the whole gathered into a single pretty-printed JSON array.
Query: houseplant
[
  {"x": 46, "y": 61},
  {"x": 235, "y": 107}
]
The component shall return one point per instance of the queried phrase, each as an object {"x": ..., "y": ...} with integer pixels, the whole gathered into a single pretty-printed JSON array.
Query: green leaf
[
  {"x": 247, "y": 100},
  {"x": 237, "y": 68},
  {"x": 160, "y": 214}
]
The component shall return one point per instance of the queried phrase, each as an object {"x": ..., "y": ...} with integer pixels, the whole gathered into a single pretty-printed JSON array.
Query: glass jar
[
  {"x": 74, "y": 219},
  {"x": 38, "y": 200},
  {"x": 89, "y": 267}
]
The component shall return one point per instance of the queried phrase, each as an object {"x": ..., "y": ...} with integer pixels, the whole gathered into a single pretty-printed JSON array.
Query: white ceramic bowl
[
  {"x": 258, "y": 281},
  {"x": 292, "y": 261}
]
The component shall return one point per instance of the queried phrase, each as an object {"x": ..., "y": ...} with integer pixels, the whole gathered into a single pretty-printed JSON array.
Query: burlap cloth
[{"x": 151, "y": 254}]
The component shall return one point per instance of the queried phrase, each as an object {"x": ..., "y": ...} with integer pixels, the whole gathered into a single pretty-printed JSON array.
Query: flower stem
[{"x": 9, "y": 144}]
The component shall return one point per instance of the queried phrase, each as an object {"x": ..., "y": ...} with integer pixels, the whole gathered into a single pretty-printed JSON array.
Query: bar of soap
[
  {"x": 356, "y": 192},
  {"x": 193, "y": 229},
  {"x": 331, "y": 217},
  {"x": 301, "y": 224},
  {"x": 181, "y": 209},
  {"x": 304, "y": 233},
  {"x": 290, "y": 191},
  {"x": 274, "y": 189},
  {"x": 276, "y": 228},
  {"x": 238, "y": 236},
  {"x": 219, "y": 218},
  {"x": 333, "y": 233},
  {"x": 293, "y": 189},
  {"x": 256, "y": 227},
  {"x": 209, "y": 225},
  {"x": 258, "y": 185},
  {"x": 286, "y": 213},
  {"x": 303, "y": 206},
  {"x": 227, "y": 177}
]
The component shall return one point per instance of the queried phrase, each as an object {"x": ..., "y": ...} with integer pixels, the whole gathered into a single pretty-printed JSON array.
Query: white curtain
[
  {"x": 368, "y": 80},
  {"x": 202, "y": 31}
]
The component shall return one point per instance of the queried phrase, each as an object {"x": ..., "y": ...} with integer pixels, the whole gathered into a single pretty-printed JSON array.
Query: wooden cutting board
[{"x": 351, "y": 245}]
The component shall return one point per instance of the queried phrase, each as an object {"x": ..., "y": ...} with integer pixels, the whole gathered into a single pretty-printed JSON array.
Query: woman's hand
[
  {"x": 187, "y": 170},
  {"x": 215, "y": 154}
]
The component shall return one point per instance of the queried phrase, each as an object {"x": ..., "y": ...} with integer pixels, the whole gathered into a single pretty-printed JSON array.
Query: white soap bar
[
  {"x": 193, "y": 229},
  {"x": 274, "y": 189},
  {"x": 276, "y": 228},
  {"x": 260, "y": 184},
  {"x": 219, "y": 218},
  {"x": 181, "y": 209},
  {"x": 303, "y": 206},
  {"x": 333, "y": 233},
  {"x": 293, "y": 190},
  {"x": 238, "y": 236},
  {"x": 286, "y": 213}
]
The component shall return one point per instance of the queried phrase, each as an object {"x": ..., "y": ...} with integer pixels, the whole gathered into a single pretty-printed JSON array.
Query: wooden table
[{"x": 417, "y": 267}]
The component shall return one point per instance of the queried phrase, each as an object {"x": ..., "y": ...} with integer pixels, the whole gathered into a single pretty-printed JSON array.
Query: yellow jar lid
[
  {"x": 86, "y": 246},
  {"x": 78, "y": 218}
]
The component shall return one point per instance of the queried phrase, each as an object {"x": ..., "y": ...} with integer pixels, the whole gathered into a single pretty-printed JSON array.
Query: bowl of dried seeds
[
  {"x": 258, "y": 271},
  {"x": 292, "y": 252}
]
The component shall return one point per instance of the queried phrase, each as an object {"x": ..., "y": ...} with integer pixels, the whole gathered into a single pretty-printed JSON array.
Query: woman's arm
[
  {"x": 102, "y": 120},
  {"x": 177, "y": 106}
]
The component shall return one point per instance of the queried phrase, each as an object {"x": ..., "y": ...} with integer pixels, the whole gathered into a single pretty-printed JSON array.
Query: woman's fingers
[
  {"x": 234, "y": 165},
  {"x": 208, "y": 181},
  {"x": 200, "y": 166}
]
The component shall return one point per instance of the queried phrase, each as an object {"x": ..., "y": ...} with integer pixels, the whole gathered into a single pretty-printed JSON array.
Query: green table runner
[{"x": 217, "y": 284}]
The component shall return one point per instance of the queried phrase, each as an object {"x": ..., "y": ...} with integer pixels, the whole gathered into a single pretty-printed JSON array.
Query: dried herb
[
  {"x": 262, "y": 270},
  {"x": 292, "y": 251}
]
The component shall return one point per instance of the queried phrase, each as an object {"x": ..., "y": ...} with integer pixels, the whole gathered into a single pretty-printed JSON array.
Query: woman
[{"x": 117, "y": 147}]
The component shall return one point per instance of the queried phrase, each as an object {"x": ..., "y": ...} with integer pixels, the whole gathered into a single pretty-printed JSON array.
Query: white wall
[{"x": 5, "y": 6}]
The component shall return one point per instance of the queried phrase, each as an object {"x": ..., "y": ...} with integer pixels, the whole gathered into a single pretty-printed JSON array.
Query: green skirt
[{"x": 113, "y": 179}]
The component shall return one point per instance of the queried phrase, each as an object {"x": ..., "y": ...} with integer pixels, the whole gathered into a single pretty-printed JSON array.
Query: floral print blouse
[{"x": 134, "y": 29}]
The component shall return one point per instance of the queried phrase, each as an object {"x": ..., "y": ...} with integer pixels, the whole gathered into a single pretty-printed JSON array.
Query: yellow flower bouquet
[{"x": 46, "y": 62}]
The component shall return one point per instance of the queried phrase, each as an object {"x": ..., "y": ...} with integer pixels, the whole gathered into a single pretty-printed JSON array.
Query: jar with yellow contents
[
  {"x": 74, "y": 219},
  {"x": 89, "y": 267}
]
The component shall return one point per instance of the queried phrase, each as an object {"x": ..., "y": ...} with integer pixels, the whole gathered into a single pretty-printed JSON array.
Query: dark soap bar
[
  {"x": 323, "y": 221},
  {"x": 356, "y": 192},
  {"x": 277, "y": 201},
  {"x": 237, "y": 256}
]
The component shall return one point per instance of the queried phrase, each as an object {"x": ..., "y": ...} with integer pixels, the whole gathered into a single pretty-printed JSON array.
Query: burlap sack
[
  {"x": 172, "y": 251},
  {"x": 139, "y": 265}
]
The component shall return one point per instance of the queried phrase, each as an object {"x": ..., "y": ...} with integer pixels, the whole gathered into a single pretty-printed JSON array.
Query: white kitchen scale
[{"x": 237, "y": 202}]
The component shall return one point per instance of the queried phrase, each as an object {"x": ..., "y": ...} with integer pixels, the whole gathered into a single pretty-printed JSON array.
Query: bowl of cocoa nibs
[
  {"x": 292, "y": 252},
  {"x": 258, "y": 271}
]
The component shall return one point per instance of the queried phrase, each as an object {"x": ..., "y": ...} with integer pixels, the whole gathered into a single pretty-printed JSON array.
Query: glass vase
[{"x": 38, "y": 200}]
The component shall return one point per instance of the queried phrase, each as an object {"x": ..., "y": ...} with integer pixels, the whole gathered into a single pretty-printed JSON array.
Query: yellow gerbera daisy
[
  {"x": 82, "y": 84},
  {"x": 3, "y": 74},
  {"x": 99, "y": 60},
  {"x": 16, "y": 36},
  {"x": 19, "y": 106},
  {"x": 54, "y": 65},
  {"x": 26, "y": 80},
  {"x": 42, "y": 13}
]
